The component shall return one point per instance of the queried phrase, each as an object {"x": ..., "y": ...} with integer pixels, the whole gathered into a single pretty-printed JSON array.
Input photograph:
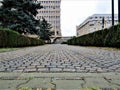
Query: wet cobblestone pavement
[{"x": 60, "y": 58}]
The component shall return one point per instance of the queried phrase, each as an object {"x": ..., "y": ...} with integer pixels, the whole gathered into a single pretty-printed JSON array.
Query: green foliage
[
  {"x": 25, "y": 88},
  {"x": 19, "y": 15},
  {"x": 7, "y": 49},
  {"x": 10, "y": 38},
  {"x": 64, "y": 43},
  {"x": 107, "y": 37},
  {"x": 113, "y": 37},
  {"x": 44, "y": 30},
  {"x": 91, "y": 89}
]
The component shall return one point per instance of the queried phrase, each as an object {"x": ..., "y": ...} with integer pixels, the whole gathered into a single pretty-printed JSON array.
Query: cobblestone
[{"x": 60, "y": 58}]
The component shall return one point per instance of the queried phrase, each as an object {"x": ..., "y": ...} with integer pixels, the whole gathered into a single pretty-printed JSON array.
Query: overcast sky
[{"x": 74, "y": 12}]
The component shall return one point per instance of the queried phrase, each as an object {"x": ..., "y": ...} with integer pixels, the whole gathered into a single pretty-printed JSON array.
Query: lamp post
[
  {"x": 103, "y": 22},
  {"x": 113, "y": 12},
  {"x": 119, "y": 11}
]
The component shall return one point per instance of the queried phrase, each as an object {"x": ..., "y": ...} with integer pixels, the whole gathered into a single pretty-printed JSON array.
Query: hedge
[
  {"x": 10, "y": 38},
  {"x": 107, "y": 38}
]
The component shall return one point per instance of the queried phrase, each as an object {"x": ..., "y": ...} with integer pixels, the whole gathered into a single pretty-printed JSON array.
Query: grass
[
  {"x": 25, "y": 88},
  {"x": 91, "y": 88},
  {"x": 97, "y": 89},
  {"x": 7, "y": 49}
]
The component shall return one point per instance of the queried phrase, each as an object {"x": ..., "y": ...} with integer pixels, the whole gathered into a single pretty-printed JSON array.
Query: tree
[
  {"x": 19, "y": 15},
  {"x": 44, "y": 30}
]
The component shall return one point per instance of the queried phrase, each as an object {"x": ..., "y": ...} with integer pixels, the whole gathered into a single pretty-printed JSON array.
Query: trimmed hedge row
[
  {"x": 10, "y": 38},
  {"x": 107, "y": 37}
]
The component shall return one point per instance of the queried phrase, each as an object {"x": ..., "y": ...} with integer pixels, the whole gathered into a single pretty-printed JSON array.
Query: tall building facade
[
  {"x": 95, "y": 22},
  {"x": 51, "y": 11}
]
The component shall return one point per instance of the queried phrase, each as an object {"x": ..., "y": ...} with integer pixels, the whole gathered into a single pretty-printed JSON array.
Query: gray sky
[{"x": 74, "y": 12}]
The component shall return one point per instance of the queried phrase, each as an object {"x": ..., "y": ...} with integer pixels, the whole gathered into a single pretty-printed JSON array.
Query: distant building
[
  {"x": 95, "y": 22},
  {"x": 62, "y": 39},
  {"x": 51, "y": 12}
]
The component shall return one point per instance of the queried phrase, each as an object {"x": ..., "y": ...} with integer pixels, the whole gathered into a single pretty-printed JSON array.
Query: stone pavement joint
[
  {"x": 60, "y": 58},
  {"x": 60, "y": 81},
  {"x": 60, "y": 67}
]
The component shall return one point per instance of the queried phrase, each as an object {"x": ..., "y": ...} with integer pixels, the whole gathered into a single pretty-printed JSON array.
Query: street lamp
[
  {"x": 103, "y": 21},
  {"x": 113, "y": 12},
  {"x": 119, "y": 11}
]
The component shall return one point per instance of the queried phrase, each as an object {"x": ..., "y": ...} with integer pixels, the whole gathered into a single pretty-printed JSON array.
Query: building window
[
  {"x": 91, "y": 18},
  {"x": 95, "y": 17},
  {"x": 91, "y": 24},
  {"x": 54, "y": 7}
]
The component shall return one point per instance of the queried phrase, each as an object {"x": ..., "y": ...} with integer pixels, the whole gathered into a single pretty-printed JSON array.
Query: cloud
[
  {"x": 104, "y": 6},
  {"x": 74, "y": 12}
]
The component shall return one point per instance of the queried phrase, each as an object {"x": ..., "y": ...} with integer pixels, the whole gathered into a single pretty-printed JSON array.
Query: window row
[
  {"x": 101, "y": 17},
  {"x": 50, "y": 17},
  {"x": 48, "y": 2},
  {"x": 57, "y": 27},
  {"x": 57, "y": 32},
  {"x": 55, "y": 22},
  {"x": 51, "y": 7},
  {"x": 48, "y": 11}
]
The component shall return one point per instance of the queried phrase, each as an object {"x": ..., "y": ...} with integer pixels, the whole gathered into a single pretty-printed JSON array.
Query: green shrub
[
  {"x": 23, "y": 41},
  {"x": 10, "y": 38},
  {"x": 64, "y": 43},
  {"x": 113, "y": 37},
  {"x": 107, "y": 37}
]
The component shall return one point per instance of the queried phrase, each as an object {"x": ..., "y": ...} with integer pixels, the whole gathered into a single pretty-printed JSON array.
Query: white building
[
  {"x": 51, "y": 12},
  {"x": 95, "y": 23}
]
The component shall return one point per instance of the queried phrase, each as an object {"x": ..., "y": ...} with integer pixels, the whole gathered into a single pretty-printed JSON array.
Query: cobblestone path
[{"x": 60, "y": 58}]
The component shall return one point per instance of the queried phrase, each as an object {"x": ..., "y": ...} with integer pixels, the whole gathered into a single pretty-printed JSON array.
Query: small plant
[
  {"x": 25, "y": 88},
  {"x": 30, "y": 78},
  {"x": 91, "y": 88}
]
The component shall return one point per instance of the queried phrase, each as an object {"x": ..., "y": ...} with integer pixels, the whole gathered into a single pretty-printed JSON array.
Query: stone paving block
[
  {"x": 49, "y": 66},
  {"x": 43, "y": 70},
  {"x": 41, "y": 66},
  {"x": 100, "y": 70},
  {"x": 35, "y": 64},
  {"x": 118, "y": 70},
  {"x": 21, "y": 67},
  {"x": 55, "y": 64},
  {"x": 82, "y": 67},
  {"x": 76, "y": 65},
  {"x": 39, "y": 82},
  {"x": 81, "y": 70},
  {"x": 2, "y": 69},
  {"x": 24, "y": 65},
  {"x": 68, "y": 70},
  {"x": 29, "y": 67},
  {"x": 71, "y": 67},
  {"x": 65, "y": 64},
  {"x": 30, "y": 70},
  {"x": 60, "y": 66},
  {"x": 10, "y": 84},
  {"x": 14, "y": 66},
  {"x": 68, "y": 84},
  {"x": 96, "y": 82},
  {"x": 19, "y": 71},
  {"x": 55, "y": 69},
  {"x": 8, "y": 70}
]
